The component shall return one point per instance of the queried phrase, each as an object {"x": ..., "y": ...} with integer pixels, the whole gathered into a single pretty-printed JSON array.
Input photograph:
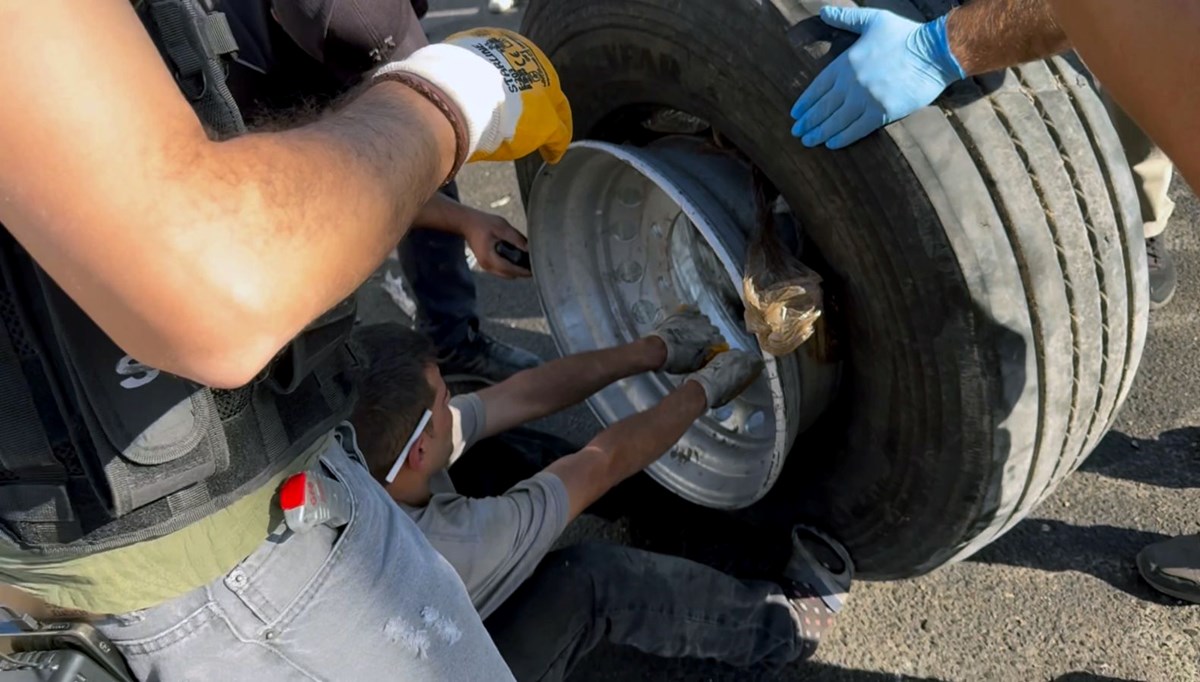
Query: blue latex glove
[{"x": 895, "y": 68}]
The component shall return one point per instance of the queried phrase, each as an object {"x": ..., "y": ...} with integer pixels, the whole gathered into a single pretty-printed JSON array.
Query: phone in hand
[{"x": 513, "y": 254}]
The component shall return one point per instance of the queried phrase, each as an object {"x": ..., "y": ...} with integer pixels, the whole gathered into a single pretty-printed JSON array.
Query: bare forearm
[
  {"x": 201, "y": 258},
  {"x": 440, "y": 213},
  {"x": 312, "y": 210},
  {"x": 634, "y": 443},
  {"x": 1145, "y": 53},
  {"x": 628, "y": 446},
  {"x": 561, "y": 383},
  {"x": 564, "y": 382},
  {"x": 988, "y": 35},
  {"x": 335, "y": 197}
]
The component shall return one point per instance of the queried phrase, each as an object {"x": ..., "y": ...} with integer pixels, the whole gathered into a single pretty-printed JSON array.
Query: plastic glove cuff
[{"x": 943, "y": 56}]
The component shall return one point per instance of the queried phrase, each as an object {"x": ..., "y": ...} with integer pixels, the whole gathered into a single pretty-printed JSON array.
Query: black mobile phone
[
  {"x": 81, "y": 637},
  {"x": 513, "y": 254}
]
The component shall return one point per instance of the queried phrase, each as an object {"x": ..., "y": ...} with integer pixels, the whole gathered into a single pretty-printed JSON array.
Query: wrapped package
[{"x": 782, "y": 296}]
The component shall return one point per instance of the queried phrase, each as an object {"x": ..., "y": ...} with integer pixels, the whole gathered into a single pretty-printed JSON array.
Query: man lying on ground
[{"x": 546, "y": 609}]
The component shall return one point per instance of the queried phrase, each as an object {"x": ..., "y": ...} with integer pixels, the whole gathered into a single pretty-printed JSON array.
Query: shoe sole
[
  {"x": 836, "y": 586},
  {"x": 1147, "y": 574},
  {"x": 1155, "y": 305}
]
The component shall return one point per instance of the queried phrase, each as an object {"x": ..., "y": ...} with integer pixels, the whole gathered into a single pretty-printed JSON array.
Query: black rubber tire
[{"x": 988, "y": 252}]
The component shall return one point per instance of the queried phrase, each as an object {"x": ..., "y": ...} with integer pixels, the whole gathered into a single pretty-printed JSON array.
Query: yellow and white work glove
[
  {"x": 727, "y": 376},
  {"x": 691, "y": 340},
  {"x": 505, "y": 88}
]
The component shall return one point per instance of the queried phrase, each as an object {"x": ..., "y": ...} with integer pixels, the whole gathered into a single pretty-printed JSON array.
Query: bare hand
[{"x": 482, "y": 231}]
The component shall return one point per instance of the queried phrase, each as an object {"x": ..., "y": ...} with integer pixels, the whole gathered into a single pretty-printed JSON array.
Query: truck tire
[{"x": 987, "y": 252}]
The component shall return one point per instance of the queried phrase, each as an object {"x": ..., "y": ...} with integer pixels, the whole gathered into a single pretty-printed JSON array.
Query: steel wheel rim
[{"x": 619, "y": 237}]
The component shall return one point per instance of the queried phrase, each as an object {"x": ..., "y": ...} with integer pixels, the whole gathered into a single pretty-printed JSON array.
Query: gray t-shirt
[{"x": 493, "y": 543}]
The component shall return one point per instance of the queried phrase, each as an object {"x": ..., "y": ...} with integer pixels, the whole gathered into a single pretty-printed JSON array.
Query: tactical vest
[{"x": 99, "y": 451}]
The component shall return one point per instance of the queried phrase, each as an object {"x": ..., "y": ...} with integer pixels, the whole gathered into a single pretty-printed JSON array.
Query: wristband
[{"x": 438, "y": 98}]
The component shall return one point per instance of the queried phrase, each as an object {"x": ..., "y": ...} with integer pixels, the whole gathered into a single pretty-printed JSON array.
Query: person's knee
[
  {"x": 587, "y": 574},
  {"x": 570, "y": 573},
  {"x": 562, "y": 582},
  {"x": 581, "y": 575}
]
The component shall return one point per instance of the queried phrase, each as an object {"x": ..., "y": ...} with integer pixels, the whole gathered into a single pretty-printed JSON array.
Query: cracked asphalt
[{"x": 1057, "y": 598}]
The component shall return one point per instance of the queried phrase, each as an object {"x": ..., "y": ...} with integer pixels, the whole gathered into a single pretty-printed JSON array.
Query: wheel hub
[{"x": 623, "y": 236}]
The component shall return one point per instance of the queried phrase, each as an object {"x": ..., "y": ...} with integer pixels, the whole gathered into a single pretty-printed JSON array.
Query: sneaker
[
  {"x": 816, "y": 582},
  {"x": 484, "y": 359},
  {"x": 502, "y": 6},
  {"x": 1162, "y": 272},
  {"x": 1173, "y": 567}
]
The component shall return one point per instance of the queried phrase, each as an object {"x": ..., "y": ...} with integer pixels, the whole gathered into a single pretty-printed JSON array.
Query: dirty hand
[
  {"x": 727, "y": 376},
  {"x": 508, "y": 93},
  {"x": 690, "y": 338},
  {"x": 482, "y": 231},
  {"x": 895, "y": 68}
]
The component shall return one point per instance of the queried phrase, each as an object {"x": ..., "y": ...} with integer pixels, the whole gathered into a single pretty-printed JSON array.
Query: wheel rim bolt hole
[
  {"x": 624, "y": 229},
  {"x": 630, "y": 271},
  {"x": 631, "y": 195},
  {"x": 645, "y": 312}
]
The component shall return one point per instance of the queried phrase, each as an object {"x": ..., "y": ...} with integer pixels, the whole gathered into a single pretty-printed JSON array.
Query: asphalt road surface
[{"x": 1057, "y": 598}]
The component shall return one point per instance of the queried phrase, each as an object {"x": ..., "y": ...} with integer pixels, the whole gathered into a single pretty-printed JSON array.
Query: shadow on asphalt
[
  {"x": 751, "y": 551},
  {"x": 1170, "y": 461},
  {"x": 1089, "y": 677},
  {"x": 822, "y": 672},
  {"x": 1105, "y": 552},
  {"x": 656, "y": 668}
]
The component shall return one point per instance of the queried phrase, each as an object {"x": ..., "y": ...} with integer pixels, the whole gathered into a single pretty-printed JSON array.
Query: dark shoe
[
  {"x": 482, "y": 358},
  {"x": 1173, "y": 567},
  {"x": 1162, "y": 272},
  {"x": 817, "y": 583}
]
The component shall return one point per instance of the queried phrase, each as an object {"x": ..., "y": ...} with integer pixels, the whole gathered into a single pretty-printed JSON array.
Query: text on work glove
[{"x": 508, "y": 93}]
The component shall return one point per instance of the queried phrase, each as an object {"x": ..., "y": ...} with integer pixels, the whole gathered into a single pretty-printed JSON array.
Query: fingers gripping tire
[{"x": 988, "y": 253}]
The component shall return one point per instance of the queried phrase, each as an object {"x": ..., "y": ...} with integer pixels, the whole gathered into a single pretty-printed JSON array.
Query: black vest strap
[
  {"x": 23, "y": 444},
  {"x": 195, "y": 41}
]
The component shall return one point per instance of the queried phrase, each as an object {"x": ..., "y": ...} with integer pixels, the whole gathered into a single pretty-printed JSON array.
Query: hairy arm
[
  {"x": 561, "y": 383},
  {"x": 197, "y": 257},
  {"x": 628, "y": 446},
  {"x": 988, "y": 35},
  {"x": 1146, "y": 54}
]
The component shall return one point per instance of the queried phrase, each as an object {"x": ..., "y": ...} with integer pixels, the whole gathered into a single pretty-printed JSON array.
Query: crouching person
[{"x": 546, "y": 609}]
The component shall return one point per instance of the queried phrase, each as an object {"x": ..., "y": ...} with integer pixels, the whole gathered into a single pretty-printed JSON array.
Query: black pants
[{"x": 657, "y": 603}]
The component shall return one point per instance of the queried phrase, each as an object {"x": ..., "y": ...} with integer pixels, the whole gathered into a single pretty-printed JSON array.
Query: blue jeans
[
  {"x": 368, "y": 601},
  {"x": 443, "y": 285}
]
